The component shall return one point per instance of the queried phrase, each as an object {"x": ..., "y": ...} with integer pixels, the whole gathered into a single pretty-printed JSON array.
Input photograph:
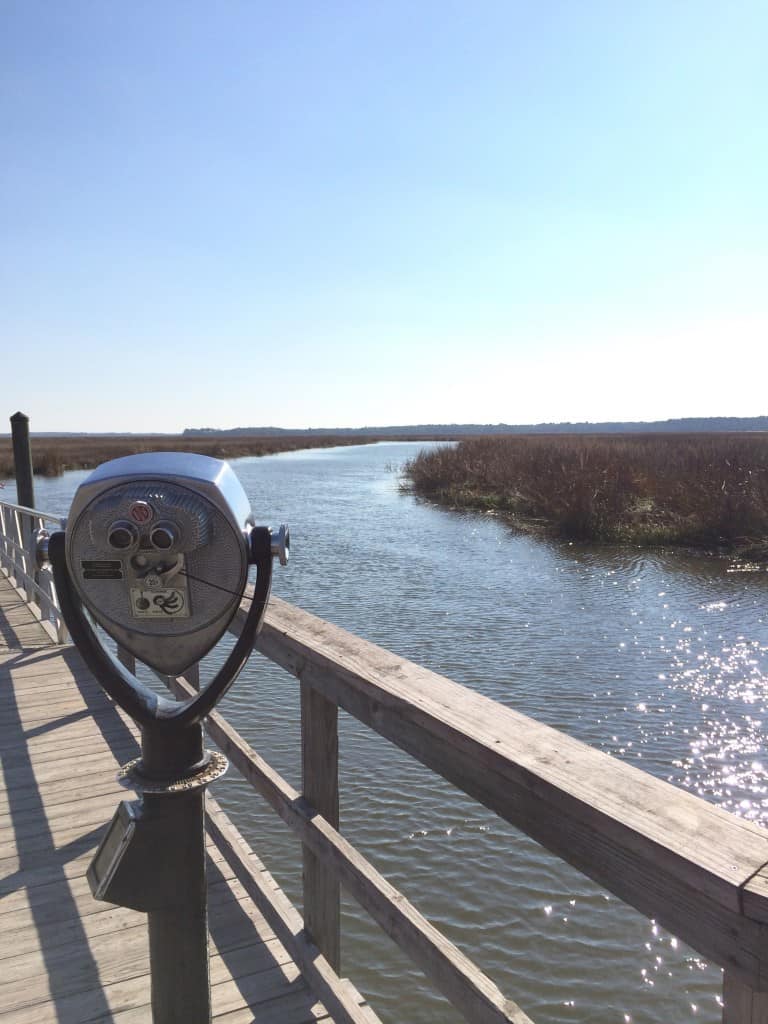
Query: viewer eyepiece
[
  {"x": 163, "y": 536},
  {"x": 122, "y": 535}
]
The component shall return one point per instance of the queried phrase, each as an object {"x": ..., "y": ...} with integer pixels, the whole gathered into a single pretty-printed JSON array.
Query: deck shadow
[
  {"x": 116, "y": 733},
  {"x": 19, "y": 778},
  {"x": 8, "y": 638},
  {"x": 258, "y": 969}
]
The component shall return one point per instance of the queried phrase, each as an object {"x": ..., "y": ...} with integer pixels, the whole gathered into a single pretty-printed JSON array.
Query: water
[{"x": 657, "y": 658}]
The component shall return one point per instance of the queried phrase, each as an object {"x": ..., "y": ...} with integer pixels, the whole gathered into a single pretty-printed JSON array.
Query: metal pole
[
  {"x": 178, "y": 933},
  {"x": 22, "y": 460}
]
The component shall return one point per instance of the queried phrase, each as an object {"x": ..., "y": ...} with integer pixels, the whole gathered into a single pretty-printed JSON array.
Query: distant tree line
[{"x": 700, "y": 424}]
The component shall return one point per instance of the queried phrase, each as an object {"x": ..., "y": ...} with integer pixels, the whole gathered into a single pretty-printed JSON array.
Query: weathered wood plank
[
  {"x": 27, "y": 686},
  {"x": 56, "y": 794},
  {"x": 741, "y": 1004},
  {"x": 38, "y": 700},
  {"x": 38, "y": 904},
  {"x": 123, "y": 957},
  {"x": 230, "y": 990},
  {"x": 63, "y": 819},
  {"x": 91, "y": 924},
  {"x": 295, "y": 1008},
  {"x": 320, "y": 787},
  {"x": 59, "y": 748},
  {"x": 78, "y": 763},
  {"x": 754, "y": 895},
  {"x": 33, "y": 715},
  {"x": 27, "y": 668}
]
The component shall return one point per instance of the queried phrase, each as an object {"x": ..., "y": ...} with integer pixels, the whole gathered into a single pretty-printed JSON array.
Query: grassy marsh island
[
  {"x": 699, "y": 490},
  {"x": 51, "y": 456}
]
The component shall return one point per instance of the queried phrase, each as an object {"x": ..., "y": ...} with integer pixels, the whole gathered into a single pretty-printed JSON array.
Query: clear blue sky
[{"x": 350, "y": 213}]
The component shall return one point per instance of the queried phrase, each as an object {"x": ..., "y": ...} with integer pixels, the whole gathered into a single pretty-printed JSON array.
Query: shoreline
[{"x": 542, "y": 530}]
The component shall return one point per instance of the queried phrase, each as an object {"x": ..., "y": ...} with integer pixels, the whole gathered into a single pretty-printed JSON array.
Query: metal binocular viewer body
[{"x": 157, "y": 551}]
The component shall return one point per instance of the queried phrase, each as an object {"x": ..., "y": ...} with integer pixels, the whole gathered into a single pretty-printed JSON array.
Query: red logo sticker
[{"x": 140, "y": 512}]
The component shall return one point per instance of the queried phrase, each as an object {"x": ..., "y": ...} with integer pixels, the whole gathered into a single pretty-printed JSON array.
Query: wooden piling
[{"x": 22, "y": 460}]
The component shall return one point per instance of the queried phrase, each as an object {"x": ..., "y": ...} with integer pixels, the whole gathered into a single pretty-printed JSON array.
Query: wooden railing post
[
  {"x": 320, "y": 786},
  {"x": 741, "y": 1004},
  {"x": 25, "y": 493},
  {"x": 22, "y": 460}
]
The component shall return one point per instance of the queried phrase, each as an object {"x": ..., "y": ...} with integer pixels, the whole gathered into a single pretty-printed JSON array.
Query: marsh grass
[
  {"x": 703, "y": 490},
  {"x": 51, "y": 456}
]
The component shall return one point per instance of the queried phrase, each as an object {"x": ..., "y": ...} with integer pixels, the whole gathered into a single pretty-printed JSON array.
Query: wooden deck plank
[
  {"x": 65, "y": 957},
  {"x": 16, "y": 911},
  {"x": 124, "y": 958},
  {"x": 45, "y": 744}
]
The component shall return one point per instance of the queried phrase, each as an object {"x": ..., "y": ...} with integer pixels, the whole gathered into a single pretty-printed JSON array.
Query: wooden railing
[
  {"x": 19, "y": 527},
  {"x": 696, "y": 869}
]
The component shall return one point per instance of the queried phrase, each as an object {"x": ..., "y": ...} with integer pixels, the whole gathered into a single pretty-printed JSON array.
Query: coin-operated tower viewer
[{"x": 156, "y": 551}]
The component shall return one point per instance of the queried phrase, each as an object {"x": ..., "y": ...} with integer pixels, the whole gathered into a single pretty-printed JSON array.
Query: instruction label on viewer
[{"x": 164, "y": 603}]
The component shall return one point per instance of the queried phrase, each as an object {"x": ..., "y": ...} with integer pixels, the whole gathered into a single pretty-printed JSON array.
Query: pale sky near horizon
[{"x": 347, "y": 214}]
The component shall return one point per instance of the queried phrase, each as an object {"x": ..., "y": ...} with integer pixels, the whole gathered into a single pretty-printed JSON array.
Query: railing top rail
[{"x": 47, "y": 516}]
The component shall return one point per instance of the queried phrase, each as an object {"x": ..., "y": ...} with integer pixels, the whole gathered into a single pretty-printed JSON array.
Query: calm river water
[{"x": 658, "y": 658}]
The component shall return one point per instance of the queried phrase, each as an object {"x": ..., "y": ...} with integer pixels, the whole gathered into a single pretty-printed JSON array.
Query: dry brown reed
[
  {"x": 707, "y": 490},
  {"x": 51, "y": 456}
]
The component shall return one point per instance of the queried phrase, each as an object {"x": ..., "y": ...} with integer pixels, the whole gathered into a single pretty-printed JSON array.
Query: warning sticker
[{"x": 166, "y": 603}]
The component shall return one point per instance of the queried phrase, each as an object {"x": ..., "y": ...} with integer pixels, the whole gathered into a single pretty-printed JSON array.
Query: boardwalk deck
[{"x": 63, "y": 956}]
